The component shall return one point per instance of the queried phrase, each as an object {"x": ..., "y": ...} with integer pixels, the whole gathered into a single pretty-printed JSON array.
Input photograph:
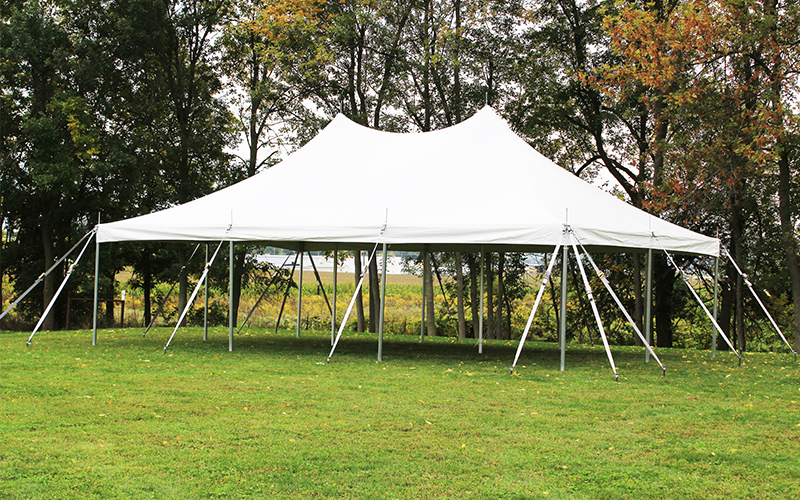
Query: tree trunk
[
  {"x": 239, "y": 257},
  {"x": 474, "y": 304},
  {"x": 183, "y": 283},
  {"x": 147, "y": 285},
  {"x": 788, "y": 239},
  {"x": 664, "y": 284},
  {"x": 374, "y": 295},
  {"x": 427, "y": 282},
  {"x": 359, "y": 295},
  {"x": 462, "y": 324},
  {"x": 637, "y": 298},
  {"x": 501, "y": 296},
  {"x": 49, "y": 289}
]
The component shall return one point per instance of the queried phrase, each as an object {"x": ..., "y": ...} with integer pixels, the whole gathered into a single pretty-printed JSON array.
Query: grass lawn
[{"x": 433, "y": 420}]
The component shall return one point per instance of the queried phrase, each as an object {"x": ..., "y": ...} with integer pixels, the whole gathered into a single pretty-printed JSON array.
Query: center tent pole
[
  {"x": 562, "y": 327},
  {"x": 300, "y": 292},
  {"x": 333, "y": 308},
  {"x": 383, "y": 305},
  {"x": 230, "y": 299}
]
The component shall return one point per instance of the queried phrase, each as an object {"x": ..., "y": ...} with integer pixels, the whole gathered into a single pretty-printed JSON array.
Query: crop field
[{"x": 432, "y": 420}]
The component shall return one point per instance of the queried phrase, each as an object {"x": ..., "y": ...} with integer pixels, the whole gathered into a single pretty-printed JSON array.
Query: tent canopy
[{"x": 476, "y": 184}]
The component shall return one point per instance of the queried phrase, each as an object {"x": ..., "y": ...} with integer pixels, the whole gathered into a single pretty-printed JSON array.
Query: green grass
[{"x": 433, "y": 420}]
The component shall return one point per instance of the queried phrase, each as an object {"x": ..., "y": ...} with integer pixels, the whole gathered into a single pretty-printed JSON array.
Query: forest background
[{"x": 120, "y": 108}]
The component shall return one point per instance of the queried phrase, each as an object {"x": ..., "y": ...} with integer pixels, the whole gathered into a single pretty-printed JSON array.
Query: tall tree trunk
[
  {"x": 788, "y": 239},
  {"x": 501, "y": 295},
  {"x": 239, "y": 257},
  {"x": 49, "y": 289},
  {"x": 374, "y": 295},
  {"x": 147, "y": 285},
  {"x": 427, "y": 277},
  {"x": 665, "y": 282},
  {"x": 474, "y": 304},
  {"x": 637, "y": 298},
  {"x": 726, "y": 309},
  {"x": 462, "y": 324},
  {"x": 183, "y": 281},
  {"x": 359, "y": 295}
]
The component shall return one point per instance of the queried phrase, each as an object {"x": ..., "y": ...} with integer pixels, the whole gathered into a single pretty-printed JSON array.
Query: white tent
[{"x": 475, "y": 184}]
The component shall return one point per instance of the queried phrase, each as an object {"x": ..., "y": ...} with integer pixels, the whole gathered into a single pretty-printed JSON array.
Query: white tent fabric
[{"x": 476, "y": 184}]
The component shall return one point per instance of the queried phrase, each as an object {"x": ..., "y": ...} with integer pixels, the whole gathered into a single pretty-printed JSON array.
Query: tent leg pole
[
  {"x": 480, "y": 323},
  {"x": 300, "y": 292},
  {"x": 383, "y": 305},
  {"x": 716, "y": 288},
  {"x": 648, "y": 304},
  {"x": 96, "y": 286},
  {"x": 205, "y": 313},
  {"x": 230, "y": 298},
  {"x": 333, "y": 308},
  {"x": 422, "y": 317},
  {"x": 562, "y": 327}
]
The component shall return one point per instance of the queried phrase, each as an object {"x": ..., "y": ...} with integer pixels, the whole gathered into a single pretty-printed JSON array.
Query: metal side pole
[
  {"x": 230, "y": 297},
  {"x": 96, "y": 286},
  {"x": 480, "y": 324},
  {"x": 562, "y": 327},
  {"x": 424, "y": 288},
  {"x": 352, "y": 303},
  {"x": 700, "y": 302},
  {"x": 594, "y": 310},
  {"x": 333, "y": 306},
  {"x": 545, "y": 279},
  {"x": 195, "y": 291},
  {"x": 648, "y": 304},
  {"x": 58, "y": 292},
  {"x": 760, "y": 303},
  {"x": 614, "y": 295},
  {"x": 205, "y": 313},
  {"x": 300, "y": 293},
  {"x": 716, "y": 301},
  {"x": 383, "y": 305}
]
